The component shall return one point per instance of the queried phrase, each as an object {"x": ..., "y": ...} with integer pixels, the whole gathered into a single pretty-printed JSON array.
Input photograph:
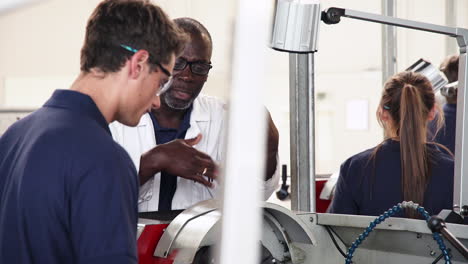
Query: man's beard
[{"x": 177, "y": 104}]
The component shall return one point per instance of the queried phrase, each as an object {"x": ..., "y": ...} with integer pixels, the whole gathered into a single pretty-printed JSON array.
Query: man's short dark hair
[
  {"x": 450, "y": 68},
  {"x": 135, "y": 23},
  {"x": 195, "y": 28}
]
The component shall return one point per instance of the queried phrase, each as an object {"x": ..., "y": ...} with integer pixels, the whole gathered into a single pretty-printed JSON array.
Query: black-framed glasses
[
  {"x": 163, "y": 87},
  {"x": 196, "y": 67}
]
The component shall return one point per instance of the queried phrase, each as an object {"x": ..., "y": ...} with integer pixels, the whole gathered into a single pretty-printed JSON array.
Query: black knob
[{"x": 435, "y": 223}]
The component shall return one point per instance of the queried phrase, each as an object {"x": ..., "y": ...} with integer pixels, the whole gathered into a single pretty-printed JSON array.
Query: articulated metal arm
[
  {"x": 295, "y": 30},
  {"x": 460, "y": 194},
  {"x": 332, "y": 15}
]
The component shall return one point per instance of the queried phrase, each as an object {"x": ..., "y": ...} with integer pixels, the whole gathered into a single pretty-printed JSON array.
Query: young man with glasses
[
  {"x": 173, "y": 174},
  {"x": 68, "y": 192}
]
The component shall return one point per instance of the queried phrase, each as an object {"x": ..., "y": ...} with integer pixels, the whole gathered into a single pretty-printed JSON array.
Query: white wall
[
  {"x": 40, "y": 42},
  {"x": 40, "y": 45}
]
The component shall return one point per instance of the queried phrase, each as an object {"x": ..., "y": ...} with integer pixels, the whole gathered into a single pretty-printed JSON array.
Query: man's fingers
[
  {"x": 202, "y": 180},
  {"x": 203, "y": 156},
  {"x": 212, "y": 174},
  {"x": 193, "y": 141},
  {"x": 208, "y": 168}
]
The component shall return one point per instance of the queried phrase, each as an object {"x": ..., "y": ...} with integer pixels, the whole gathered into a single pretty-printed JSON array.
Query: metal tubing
[
  {"x": 389, "y": 42},
  {"x": 302, "y": 129},
  {"x": 455, "y": 242},
  {"x": 451, "y": 21},
  {"x": 393, "y": 21},
  {"x": 460, "y": 191}
]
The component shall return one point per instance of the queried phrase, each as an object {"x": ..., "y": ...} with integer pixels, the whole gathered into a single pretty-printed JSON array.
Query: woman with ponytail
[{"x": 405, "y": 166}]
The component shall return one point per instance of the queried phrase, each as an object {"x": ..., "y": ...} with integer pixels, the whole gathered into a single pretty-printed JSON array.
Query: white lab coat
[{"x": 207, "y": 118}]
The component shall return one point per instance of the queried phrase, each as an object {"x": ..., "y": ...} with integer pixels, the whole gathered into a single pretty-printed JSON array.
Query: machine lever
[
  {"x": 437, "y": 224},
  {"x": 283, "y": 193}
]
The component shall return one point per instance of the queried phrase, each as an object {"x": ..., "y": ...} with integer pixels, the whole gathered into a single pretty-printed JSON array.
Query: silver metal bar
[
  {"x": 389, "y": 42},
  {"x": 460, "y": 187},
  {"x": 302, "y": 129},
  {"x": 450, "y": 20},
  {"x": 401, "y": 22}
]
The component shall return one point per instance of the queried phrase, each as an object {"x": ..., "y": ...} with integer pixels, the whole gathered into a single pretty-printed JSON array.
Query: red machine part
[
  {"x": 322, "y": 205},
  {"x": 147, "y": 243}
]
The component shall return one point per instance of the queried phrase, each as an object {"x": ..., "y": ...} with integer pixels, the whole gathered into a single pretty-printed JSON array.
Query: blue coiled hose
[{"x": 390, "y": 212}]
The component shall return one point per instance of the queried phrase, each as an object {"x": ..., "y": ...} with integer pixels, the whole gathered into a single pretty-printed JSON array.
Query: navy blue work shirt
[
  {"x": 361, "y": 190},
  {"x": 168, "y": 184},
  {"x": 446, "y": 135},
  {"x": 69, "y": 193}
]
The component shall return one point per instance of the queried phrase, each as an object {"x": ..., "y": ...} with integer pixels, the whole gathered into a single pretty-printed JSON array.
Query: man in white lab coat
[{"x": 173, "y": 174}]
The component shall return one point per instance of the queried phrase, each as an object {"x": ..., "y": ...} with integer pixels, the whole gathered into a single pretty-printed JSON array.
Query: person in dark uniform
[
  {"x": 68, "y": 192},
  {"x": 404, "y": 167},
  {"x": 446, "y": 135}
]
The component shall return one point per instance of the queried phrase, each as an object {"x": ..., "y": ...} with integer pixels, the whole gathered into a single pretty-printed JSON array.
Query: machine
[
  {"x": 302, "y": 235},
  {"x": 294, "y": 237}
]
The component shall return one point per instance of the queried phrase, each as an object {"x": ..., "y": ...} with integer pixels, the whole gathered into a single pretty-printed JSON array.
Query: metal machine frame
[
  {"x": 302, "y": 103},
  {"x": 301, "y": 237},
  {"x": 287, "y": 38},
  {"x": 460, "y": 194}
]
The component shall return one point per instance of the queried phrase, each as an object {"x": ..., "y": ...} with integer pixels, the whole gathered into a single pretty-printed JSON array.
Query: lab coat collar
[
  {"x": 199, "y": 111},
  {"x": 199, "y": 114}
]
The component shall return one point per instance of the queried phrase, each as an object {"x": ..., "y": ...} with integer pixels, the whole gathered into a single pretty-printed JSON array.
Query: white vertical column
[{"x": 246, "y": 144}]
